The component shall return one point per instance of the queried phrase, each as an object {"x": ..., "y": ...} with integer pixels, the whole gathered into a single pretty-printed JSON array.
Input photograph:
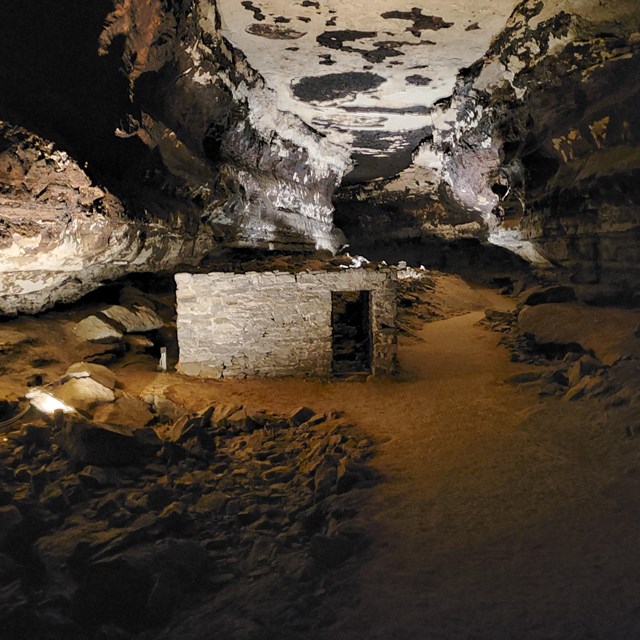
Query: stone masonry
[{"x": 275, "y": 323}]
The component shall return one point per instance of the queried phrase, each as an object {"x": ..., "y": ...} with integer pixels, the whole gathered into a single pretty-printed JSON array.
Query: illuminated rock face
[
  {"x": 60, "y": 235},
  {"x": 367, "y": 71},
  {"x": 183, "y": 154},
  {"x": 234, "y": 123},
  {"x": 536, "y": 149}
]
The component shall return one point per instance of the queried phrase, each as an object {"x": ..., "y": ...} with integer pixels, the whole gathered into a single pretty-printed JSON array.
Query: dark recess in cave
[
  {"x": 55, "y": 83},
  {"x": 351, "y": 324},
  {"x": 540, "y": 167}
]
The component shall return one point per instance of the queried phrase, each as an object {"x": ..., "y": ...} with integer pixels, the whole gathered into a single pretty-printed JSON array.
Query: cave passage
[{"x": 351, "y": 326}]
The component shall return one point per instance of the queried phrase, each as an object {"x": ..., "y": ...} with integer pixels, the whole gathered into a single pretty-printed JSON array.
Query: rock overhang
[
  {"x": 532, "y": 144},
  {"x": 362, "y": 70}
]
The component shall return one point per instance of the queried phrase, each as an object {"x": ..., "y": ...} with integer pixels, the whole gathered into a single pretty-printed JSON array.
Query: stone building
[{"x": 279, "y": 324}]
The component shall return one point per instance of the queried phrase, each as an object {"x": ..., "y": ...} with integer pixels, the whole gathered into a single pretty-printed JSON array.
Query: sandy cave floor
[{"x": 500, "y": 514}]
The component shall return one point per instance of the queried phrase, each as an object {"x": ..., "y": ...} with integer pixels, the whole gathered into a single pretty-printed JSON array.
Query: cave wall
[
  {"x": 150, "y": 106},
  {"x": 582, "y": 165},
  {"x": 61, "y": 234},
  {"x": 135, "y": 137},
  {"x": 536, "y": 150}
]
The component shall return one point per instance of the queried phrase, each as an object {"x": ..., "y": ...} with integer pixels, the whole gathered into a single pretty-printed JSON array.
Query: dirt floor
[{"x": 501, "y": 514}]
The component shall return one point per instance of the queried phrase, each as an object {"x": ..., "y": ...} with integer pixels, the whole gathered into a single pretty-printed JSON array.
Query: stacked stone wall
[{"x": 275, "y": 323}]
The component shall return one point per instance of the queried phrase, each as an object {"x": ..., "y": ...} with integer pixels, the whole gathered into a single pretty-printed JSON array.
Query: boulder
[
  {"x": 524, "y": 377},
  {"x": 209, "y": 503},
  {"x": 86, "y": 443},
  {"x": 84, "y": 393},
  {"x": 139, "y": 320},
  {"x": 325, "y": 478},
  {"x": 137, "y": 344},
  {"x": 584, "y": 366},
  {"x": 116, "y": 589},
  {"x": 587, "y": 385},
  {"x": 131, "y": 296},
  {"x": 349, "y": 474},
  {"x": 222, "y": 412},
  {"x": 10, "y": 521},
  {"x": 96, "y": 477},
  {"x": 300, "y": 415},
  {"x": 240, "y": 421},
  {"x": 192, "y": 433},
  {"x": 495, "y": 315},
  {"x": 140, "y": 583},
  {"x": 96, "y": 372},
  {"x": 148, "y": 440},
  {"x": 331, "y": 551},
  {"x": 9, "y": 569},
  {"x": 167, "y": 410},
  {"x": 182, "y": 561},
  {"x": 95, "y": 329},
  {"x": 38, "y": 435},
  {"x": 315, "y": 420},
  {"x": 126, "y": 411}
]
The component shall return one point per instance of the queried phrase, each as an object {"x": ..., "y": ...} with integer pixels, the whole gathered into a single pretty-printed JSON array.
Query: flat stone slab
[
  {"x": 139, "y": 320},
  {"x": 94, "y": 329},
  {"x": 607, "y": 331},
  {"x": 97, "y": 372},
  {"x": 84, "y": 394},
  {"x": 126, "y": 411}
]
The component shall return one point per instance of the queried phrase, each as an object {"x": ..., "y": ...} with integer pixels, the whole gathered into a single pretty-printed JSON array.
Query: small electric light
[
  {"x": 46, "y": 403},
  {"x": 162, "y": 365}
]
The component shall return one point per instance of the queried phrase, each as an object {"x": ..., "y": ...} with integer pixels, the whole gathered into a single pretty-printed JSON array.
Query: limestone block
[
  {"x": 98, "y": 372},
  {"x": 84, "y": 393}
]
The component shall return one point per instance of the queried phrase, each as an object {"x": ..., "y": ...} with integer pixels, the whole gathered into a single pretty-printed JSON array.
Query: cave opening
[{"x": 351, "y": 332}]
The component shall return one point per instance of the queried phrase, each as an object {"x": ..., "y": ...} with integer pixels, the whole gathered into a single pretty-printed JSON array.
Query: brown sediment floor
[{"x": 501, "y": 514}]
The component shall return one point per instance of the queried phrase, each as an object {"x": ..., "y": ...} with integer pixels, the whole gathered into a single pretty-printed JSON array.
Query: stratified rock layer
[
  {"x": 536, "y": 150},
  {"x": 188, "y": 155},
  {"x": 166, "y": 145},
  {"x": 61, "y": 235}
]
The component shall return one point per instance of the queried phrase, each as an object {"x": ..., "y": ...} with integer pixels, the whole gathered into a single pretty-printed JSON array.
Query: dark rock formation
[{"x": 190, "y": 539}]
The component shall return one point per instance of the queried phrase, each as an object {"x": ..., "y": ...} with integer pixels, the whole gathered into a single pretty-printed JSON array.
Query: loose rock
[
  {"x": 139, "y": 320},
  {"x": 84, "y": 393},
  {"x": 96, "y": 372},
  {"x": 95, "y": 329}
]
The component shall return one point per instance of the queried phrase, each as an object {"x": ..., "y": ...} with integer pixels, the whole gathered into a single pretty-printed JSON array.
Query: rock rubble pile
[
  {"x": 237, "y": 517},
  {"x": 574, "y": 351}
]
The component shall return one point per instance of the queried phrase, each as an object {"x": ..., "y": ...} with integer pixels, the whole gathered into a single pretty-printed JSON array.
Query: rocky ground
[
  {"x": 164, "y": 508},
  {"x": 110, "y": 532},
  {"x": 136, "y": 509},
  {"x": 575, "y": 350}
]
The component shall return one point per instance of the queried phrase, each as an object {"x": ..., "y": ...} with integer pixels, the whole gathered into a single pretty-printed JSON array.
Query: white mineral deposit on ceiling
[{"x": 363, "y": 66}]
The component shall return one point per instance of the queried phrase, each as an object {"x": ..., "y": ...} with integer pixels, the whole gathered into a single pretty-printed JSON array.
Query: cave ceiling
[
  {"x": 364, "y": 73},
  {"x": 146, "y": 135}
]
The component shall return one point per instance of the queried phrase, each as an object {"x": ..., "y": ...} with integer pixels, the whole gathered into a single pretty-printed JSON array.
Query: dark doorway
[{"x": 351, "y": 323}]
